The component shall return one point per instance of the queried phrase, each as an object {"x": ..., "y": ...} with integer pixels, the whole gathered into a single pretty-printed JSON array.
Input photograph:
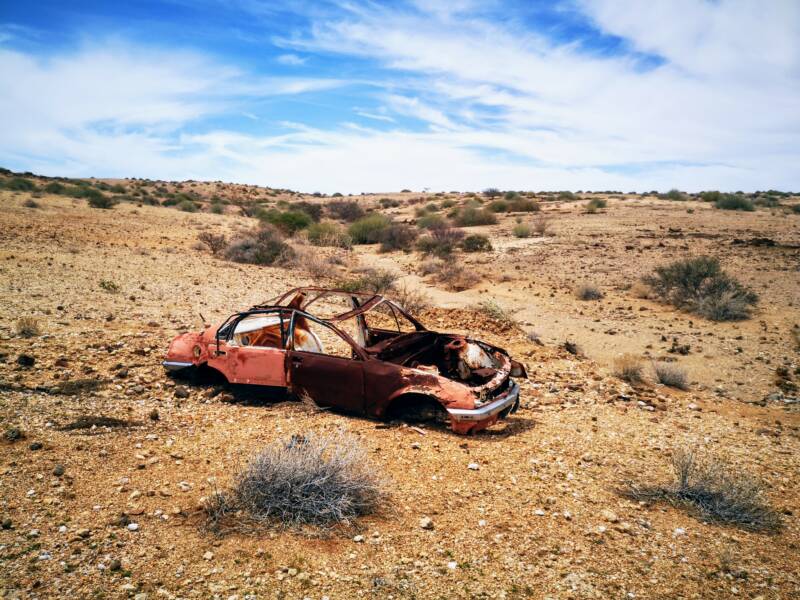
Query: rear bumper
[
  {"x": 174, "y": 365},
  {"x": 505, "y": 404}
]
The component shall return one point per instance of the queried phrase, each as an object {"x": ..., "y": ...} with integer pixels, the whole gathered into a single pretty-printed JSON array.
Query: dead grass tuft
[
  {"x": 671, "y": 375},
  {"x": 712, "y": 491},
  {"x": 28, "y": 327},
  {"x": 629, "y": 368},
  {"x": 588, "y": 291},
  {"x": 412, "y": 299},
  {"x": 494, "y": 311}
]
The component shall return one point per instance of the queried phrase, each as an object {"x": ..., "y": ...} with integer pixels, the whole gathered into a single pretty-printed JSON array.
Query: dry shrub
[
  {"x": 28, "y": 327},
  {"x": 345, "y": 210},
  {"x": 588, "y": 291},
  {"x": 494, "y": 311},
  {"x": 441, "y": 241},
  {"x": 629, "y": 368},
  {"x": 264, "y": 246},
  {"x": 412, "y": 299},
  {"x": 376, "y": 281},
  {"x": 713, "y": 491},
  {"x": 398, "y": 236},
  {"x": 450, "y": 273},
  {"x": 316, "y": 265},
  {"x": 541, "y": 225},
  {"x": 522, "y": 230},
  {"x": 671, "y": 375},
  {"x": 215, "y": 243},
  {"x": 317, "y": 479},
  {"x": 641, "y": 290},
  {"x": 476, "y": 243},
  {"x": 327, "y": 233}
]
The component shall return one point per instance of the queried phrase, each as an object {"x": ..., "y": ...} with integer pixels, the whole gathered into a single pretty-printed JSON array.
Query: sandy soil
[{"x": 539, "y": 518}]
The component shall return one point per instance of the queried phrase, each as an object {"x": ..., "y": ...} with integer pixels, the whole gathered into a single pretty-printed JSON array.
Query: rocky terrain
[{"x": 105, "y": 461}]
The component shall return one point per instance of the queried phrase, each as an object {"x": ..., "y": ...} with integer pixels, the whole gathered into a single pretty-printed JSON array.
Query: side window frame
[{"x": 357, "y": 353}]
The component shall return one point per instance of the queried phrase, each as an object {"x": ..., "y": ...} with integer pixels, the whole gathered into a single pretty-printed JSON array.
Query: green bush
[
  {"x": 18, "y": 184},
  {"x": 521, "y": 204},
  {"x": 674, "y": 194},
  {"x": 312, "y": 210},
  {"x": 54, "y": 187},
  {"x": 117, "y": 189},
  {"x": 498, "y": 206},
  {"x": 476, "y": 243},
  {"x": 327, "y": 233},
  {"x": 734, "y": 202},
  {"x": 522, "y": 230},
  {"x": 289, "y": 222},
  {"x": 700, "y": 285},
  {"x": 796, "y": 208},
  {"x": 470, "y": 217},
  {"x": 492, "y": 193},
  {"x": 369, "y": 229},
  {"x": 710, "y": 196},
  {"x": 217, "y": 208},
  {"x": 97, "y": 199},
  {"x": 595, "y": 204},
  {"x": 511, "y": 196},
  {"x": 431, "y": 221},
  {"x": 186, "y": 206}
]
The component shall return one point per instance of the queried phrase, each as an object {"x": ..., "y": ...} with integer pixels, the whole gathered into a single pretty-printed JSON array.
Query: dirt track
[{"x": 529, "y": 522}]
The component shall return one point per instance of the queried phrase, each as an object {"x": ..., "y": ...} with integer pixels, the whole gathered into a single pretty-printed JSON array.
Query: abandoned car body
[{"x": 371, "y": 358}]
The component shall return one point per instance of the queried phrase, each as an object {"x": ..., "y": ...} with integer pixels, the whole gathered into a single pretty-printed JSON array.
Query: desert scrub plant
[
  {"x": 369, "y": 229},
  {"x": 492, "y": 192},
  {"x": 264, "y": 246},
  {"x": 440, "y": 241},
  {"x": 30, "y": 203},
  {"x": 97, "y": 199},
  {"x": 314, "y": 479},
  {"x": 712, "y": 491},
  {"x": 699, "y": 285},
  {"x": 431, "y": 221},
  {"x": 412, "y": 299},
  {"x": 673, "y": 194},
  {"x": 542, "y": 225},
  {"x": 671, "y": 375},
  {"x": 328, "y": 233},
  {"x": 588, "y": 291},
  {"x": 498, "y": 206},
  {"x": 734, "y": 202},
  {"x": 497, "y": 313},
  {"x": 376, "y": 281},
  {"x": 469, "y": 216},
  {"x": 796, "y": 208},
  {"x": 17, "y": 184},
  {"x": 345, "y": 210},
  {"x": 289, "y": 222},
  {"x": 522, "y": 230},
  {"x": 216, "y": 243},
  {"x": 520, "y": 204},
  {"x": 476, "y": 243},
  {"x": 28, "y": 327},
  {"x": 595, "y": 204},
  {"x": 109, "y": 286},
  {"x": 629, "y": 368},
  {"x": 398, "y": 236}
]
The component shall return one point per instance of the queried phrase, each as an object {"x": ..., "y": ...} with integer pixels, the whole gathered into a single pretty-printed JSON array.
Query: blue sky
[{"x": 366, "y": 96}]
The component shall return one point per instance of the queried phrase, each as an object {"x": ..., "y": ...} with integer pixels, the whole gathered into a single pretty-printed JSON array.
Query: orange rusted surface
[{"x": 274, "y": 345}]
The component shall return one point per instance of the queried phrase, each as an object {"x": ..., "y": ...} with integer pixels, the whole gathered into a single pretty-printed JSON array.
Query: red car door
[{"x": 325, "y": 366}]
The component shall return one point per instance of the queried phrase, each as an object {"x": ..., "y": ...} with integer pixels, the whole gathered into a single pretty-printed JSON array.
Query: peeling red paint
[{"x": 469, "y": 379}]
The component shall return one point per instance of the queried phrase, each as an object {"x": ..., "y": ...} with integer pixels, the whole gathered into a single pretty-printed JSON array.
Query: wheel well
[{"x": 412, "y": 403}]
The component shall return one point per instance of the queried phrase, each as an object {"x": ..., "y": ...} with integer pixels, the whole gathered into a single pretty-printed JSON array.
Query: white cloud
[
  {"x": 503, "y": 106},
  {"x": 291, "y": 59}
]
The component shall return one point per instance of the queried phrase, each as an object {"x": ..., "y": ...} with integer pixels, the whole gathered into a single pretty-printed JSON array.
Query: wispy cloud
[{"x": 474, "y": 100}]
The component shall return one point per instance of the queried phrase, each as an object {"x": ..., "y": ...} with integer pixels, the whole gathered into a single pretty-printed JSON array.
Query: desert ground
[{"x": 539, "y": 517}]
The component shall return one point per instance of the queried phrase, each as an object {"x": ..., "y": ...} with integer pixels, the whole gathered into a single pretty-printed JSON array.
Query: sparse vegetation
[
  {"x": 496, "y": 312},
  {"x": 376, "y": 281},
  {"x": 595, "y": 204},
  {"x": 109, "y": 286},
  {"x": 17, "y": 184},
  {"x": 522, "y": 230},
  {"x": 398, "y": 236},
  {"x": 315, "y": 479},
  {"x": 431, "y": 221},
  {"x": 734, "y": 202},
  {"x": 412, "y": 299},
  {"x": 712, "y": 491},
  {"x": 369, "y": 229},
  {"x": 30, "y": 203},
  {"x": 588, "y": 291},
  {"x": 216, "y": 243},
  {"x": 629, "y": 368},
  {"x": 674, "y": 194},
  {"x": 328, "y": 233},
  {"x": 289, "y": 222},
  {"x": 345, "y": 210},
  {"x": 264, "y": 246},
  {"x": 476, "y": 243},
  {"x": 441, "y": 241},
  {"x": 97, "y": 199},
  {"x": 700, "y": 285},
  {"x": 470, "y": 216},
  {"x": 542, "y": 224},
  {"x": 28, "y": 327},
  {"x": 671, "y": 375}
]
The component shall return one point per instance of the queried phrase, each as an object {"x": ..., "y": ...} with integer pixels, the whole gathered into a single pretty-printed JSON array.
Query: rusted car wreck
[{"x": 359, "y": 353}]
